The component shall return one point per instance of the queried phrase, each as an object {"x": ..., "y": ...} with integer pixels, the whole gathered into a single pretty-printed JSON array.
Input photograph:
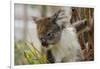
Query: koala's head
[{"x": 49, "y": 29}]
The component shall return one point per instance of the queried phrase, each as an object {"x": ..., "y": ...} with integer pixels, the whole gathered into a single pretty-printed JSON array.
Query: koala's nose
[{"x": 44, "y": 42}]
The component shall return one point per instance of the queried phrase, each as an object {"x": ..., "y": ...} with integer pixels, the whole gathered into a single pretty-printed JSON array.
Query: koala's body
[
  {"x": 58, "y": 36},
  {"x": 67, "y": 49}
]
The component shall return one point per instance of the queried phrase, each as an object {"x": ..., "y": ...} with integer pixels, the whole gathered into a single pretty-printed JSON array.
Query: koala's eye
[{"x": 50, "y": 34}]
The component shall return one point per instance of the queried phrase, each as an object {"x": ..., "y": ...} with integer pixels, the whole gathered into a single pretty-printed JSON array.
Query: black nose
[{"x": 44, "y": 43}]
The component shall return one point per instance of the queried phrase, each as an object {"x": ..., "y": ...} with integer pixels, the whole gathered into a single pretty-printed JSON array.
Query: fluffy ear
[
  {"x": 62, "y": 17},
  {"x": 35, "y": 19}
]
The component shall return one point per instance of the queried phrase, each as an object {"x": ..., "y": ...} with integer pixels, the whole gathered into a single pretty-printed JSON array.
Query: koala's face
[{"x": 49, "y": 33}]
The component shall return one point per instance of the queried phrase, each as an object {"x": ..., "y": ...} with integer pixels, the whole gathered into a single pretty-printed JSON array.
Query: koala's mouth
[{"x": 46, "y": 45}]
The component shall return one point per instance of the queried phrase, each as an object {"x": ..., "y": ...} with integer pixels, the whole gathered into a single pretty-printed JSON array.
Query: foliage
[{"x": 25, "y": 51}]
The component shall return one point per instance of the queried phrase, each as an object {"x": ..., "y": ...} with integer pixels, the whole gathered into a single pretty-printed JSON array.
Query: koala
[{"x": 58, "y": 38}]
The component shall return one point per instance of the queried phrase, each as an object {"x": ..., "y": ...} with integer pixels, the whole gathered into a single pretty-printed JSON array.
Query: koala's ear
[
  {"x": 62, "y": 17},
  {"x": 35, "y": 19}
]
